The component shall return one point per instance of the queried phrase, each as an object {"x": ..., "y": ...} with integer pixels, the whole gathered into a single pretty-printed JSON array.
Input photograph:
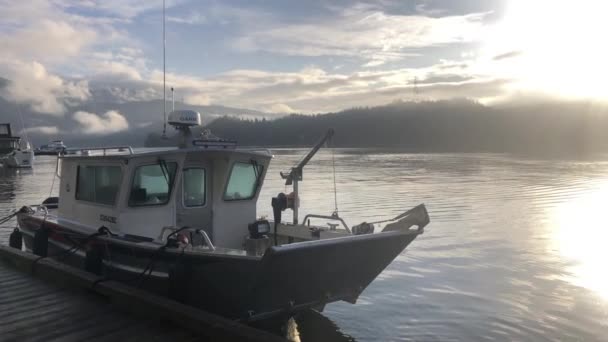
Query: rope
[
  {"x": 8, "y": 218},
  {"x": 333, "y": 162},
  {"x": 147, "y": 272},
  {"x": 75, "y": 247},
  {"x": 54, "y": 176}
]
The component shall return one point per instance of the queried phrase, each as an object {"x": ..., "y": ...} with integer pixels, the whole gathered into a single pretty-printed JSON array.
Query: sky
[{"x": 298, "y": 56}]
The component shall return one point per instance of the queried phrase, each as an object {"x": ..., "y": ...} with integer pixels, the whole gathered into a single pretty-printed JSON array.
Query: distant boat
[
  {"x": 52, "y": 149},
  {"x": 14, "y": 151}
]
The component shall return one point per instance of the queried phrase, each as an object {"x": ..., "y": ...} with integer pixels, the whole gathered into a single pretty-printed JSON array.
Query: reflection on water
[
  {"x": 580, "y": 234},
  {"x": 514, "y": 250}
]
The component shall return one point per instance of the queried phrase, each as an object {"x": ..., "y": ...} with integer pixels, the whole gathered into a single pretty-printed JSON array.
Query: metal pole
[
  {"x": 296, "y": 203},
  {"x": 164, "y": 86}
]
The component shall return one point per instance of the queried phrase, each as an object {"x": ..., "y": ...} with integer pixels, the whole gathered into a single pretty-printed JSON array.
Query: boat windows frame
[
  {"x": 171, "y": 186},
  {"x": 184, "y": 206},
  {"x": 122, "y": 178},
  {"x": 257, "y": 183}
]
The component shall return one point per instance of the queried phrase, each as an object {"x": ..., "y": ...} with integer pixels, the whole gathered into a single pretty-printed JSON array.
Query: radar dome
[{"x": 184, "y": 118}]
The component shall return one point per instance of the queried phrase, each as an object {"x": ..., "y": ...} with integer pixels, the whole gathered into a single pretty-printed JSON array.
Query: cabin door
[{"x": 195, "y": 198}]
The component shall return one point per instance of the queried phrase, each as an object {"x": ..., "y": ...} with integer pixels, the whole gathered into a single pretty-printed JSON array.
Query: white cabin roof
[{"x": 122, "y": 152}]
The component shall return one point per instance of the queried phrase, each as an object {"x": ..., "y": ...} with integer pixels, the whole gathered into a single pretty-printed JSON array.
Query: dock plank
[{"x": 51, "y": 302}]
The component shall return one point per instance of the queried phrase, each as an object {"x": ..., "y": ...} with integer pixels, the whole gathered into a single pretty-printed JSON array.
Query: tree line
[{"x": 433, "y": 126}]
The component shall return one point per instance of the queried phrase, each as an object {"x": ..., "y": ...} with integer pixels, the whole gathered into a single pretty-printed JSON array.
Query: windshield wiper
[
  {"x": 256, "y": 173},
  {"x": 165, "y": 170}
]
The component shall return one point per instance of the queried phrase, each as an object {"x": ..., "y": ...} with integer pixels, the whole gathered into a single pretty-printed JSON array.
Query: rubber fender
[
  {"x": 93, "y": 261},
  {"x": 41, "y": 242},
  {"x": 16, "y": 239},
  {"x": 179, "y": 278}
]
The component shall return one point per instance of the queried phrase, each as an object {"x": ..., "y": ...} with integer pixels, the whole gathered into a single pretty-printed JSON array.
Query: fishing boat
[
  {"x": 51, "y": 149},
  {"x": 14, "y": 151},
  {"x": 182, "y": 222}
]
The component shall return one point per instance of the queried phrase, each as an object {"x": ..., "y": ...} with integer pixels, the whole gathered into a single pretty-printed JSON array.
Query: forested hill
[{"x": 442, "y": 126}]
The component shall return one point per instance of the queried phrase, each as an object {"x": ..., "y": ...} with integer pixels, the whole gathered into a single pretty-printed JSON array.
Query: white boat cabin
[{"x": 136, "y": 193}]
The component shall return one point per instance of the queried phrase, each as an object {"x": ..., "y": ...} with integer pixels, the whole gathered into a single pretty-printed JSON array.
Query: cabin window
[
  {"x": 152, "y": 184},
  {"x": 243, "y": 181},
  {"x": 194, "y": 187},
  {"x": 98, "y": 184}
]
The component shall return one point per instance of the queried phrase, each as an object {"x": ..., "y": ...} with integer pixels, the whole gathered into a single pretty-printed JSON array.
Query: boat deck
[{"x": 46, "y": 301}]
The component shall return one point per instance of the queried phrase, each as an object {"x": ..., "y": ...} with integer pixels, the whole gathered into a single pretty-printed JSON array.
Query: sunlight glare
[
  {"x": 557, "y": 47},
  {"x": 579, "y": 234}
]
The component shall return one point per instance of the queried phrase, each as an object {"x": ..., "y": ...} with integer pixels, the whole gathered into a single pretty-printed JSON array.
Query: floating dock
[{"x": 44, "y": 300}]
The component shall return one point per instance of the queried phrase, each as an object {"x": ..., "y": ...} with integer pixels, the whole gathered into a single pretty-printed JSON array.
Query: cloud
[
  {"x": 48, "y": 130},
  {"x": 110, "y": 122},
  {"x": 112, "y": 70},
  {"x": 64, "y": 52},
  {"x": 31, "y": 84},
  {"x": 194, "y": 18},
  {"x": 507, "y": 55},
  {"x": 281, "y": 108},
  {"x": 40, "y": 37},
  {"x": 123, "y": 8},
  {"x": 362, "y": 31},
  {"x": 46, "y": 40},
  {"x": 311, "y": 89},
  {"x": 447, "y": 78},
  {"x": 197, "y": 99}
]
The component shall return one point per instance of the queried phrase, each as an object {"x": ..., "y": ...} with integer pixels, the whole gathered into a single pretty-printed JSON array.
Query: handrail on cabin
[{"x": 86, "y": 150}]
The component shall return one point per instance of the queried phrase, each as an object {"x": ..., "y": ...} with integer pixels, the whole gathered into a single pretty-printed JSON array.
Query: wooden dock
[{"x": 47, "y": 300}]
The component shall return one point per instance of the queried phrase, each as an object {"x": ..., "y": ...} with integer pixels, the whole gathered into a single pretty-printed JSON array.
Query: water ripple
[{"x": 499, "y": 261}]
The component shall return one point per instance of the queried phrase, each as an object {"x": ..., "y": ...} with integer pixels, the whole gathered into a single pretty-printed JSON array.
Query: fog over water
[{"x": 514, "y": 251}]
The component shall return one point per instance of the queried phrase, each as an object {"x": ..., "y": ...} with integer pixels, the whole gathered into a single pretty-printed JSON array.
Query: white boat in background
[
  {"x": 54, "y": 148},
  {"x": 14, "y": 151}
]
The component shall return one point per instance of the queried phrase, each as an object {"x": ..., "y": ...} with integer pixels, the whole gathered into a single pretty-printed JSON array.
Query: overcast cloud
[{"x": 305, "y": 57}]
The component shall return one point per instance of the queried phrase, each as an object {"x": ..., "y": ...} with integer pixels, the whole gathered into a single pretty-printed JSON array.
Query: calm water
[{"x": 515, "y": 249}]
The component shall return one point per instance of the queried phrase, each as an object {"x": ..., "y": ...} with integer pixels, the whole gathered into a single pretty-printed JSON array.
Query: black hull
[
  {"x": 286, "y": 280},
  {"x": 38, "y": 153}
]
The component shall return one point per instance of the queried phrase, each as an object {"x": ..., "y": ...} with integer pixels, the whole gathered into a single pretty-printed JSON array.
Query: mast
[
  {"x": 164, "y": 79},
  {"x": 23, "y": 129}
]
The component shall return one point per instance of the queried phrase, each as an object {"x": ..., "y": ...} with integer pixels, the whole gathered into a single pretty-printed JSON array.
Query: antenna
[
  {"x": 164, "y": 136},
  {"x": 416, "y": 90},
  {"x": 172, "y": 99}
]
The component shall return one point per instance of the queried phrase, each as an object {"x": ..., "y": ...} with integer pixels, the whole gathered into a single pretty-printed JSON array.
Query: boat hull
[
  {"x": 46, "y": 153},
  {"x": 19, "y": 160},
  {"x": 285, "y": 280}
]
